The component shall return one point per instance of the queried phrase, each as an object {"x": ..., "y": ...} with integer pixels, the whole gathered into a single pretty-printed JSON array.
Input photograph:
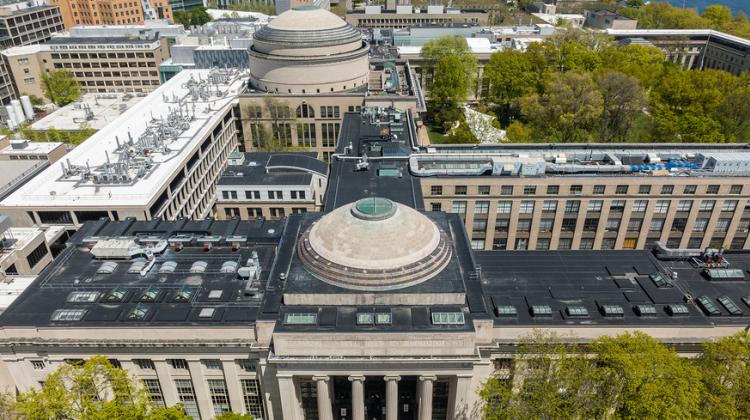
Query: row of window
[
  {"x": 271, "y": 194},
  {"x": 100, "y": 56},
  {"x": 578, "y": 189},
  {"x": 105, "y": 65},
  {"x": 252, "y": 212},
  {"x": 573, "y": 206},
  {"x": 542, "y": 244}
]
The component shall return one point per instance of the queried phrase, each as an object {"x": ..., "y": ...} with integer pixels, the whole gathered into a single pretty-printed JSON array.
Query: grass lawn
[{"x": 435, "y": 135}]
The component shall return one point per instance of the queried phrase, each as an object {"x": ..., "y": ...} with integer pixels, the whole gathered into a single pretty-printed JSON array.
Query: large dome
[
  {"x": 308, "y": 50},
  {"x": 374, "y": 244}
]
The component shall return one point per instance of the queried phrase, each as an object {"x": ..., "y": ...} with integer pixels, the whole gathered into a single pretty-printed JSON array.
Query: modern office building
[
  {"x": 22, "y": 160},
  {"x": 694, "y": 49},
  {"x": 98, "y": 64},
  {"x": 405, "y": 16},
  {"x": 112, "y": 12},
  {"x": 161, "y": 158},
  {"x": 24, "y": 23},
  {"x": 270, "y": 185},
  {"x": 309, "y": 67}
]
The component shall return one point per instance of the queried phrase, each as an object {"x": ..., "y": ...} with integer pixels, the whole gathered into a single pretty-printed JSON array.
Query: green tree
[
  {"x": 726, "y": 376},
  {"x": 93, "y": 390},
  {"x": 623, "y": 100},
  {"x": 192, "y": 17},
  {"x": 567, "y": 111},
  {"x": 645, "y": 379},
  {"x": 445, "y": 60},
  {"x": 510, "y": 75},
  {"x": 60, "y": 87},
  {"x": 719, "y": 16},
  {"x": 517, "y": 132}
]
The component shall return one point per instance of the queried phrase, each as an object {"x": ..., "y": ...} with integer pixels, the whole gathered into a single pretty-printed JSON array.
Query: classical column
[
  {"x": 459, "y": 397},
  {"x": 325, "y": 407},
  {"x": 166, "y": 383},
  {"x": 358, "y": 397},
  {"x": 234, "y": 388},
  {"x": 425, "y": 396},
  {"x": 290, "y": 408},
  {"x": 391, "y": 396}
]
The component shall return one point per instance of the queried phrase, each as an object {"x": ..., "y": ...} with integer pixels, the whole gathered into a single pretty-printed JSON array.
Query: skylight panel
[
  {"x": 68, "y": 314},
  {"x": 184, "y": 294},
  {"x": 677, "y": 309},
  {"x": 199, "y": 267},
  {"x": 116, "y": 295},
  {"x": 660, "y": 280},
  {"x": 229, "y": 267},
  {"x": 83, "y": 297},
  {"x": 577, "y": 311},
  {"x": 139, "y": 312},
  {"x": 107, "y": 267},
  {"x": 448, "y": 318},
  {"x": 506, "y": 310},
  {"x": 729, "y": 305},
  {"x": 365, "y": 318},
  {"x": 215, "y": 294},
  {"x": 150, "y": 294},
  {"x": 708, "y": 306},
  {"x": 613, "y": 310},
  {"x": 206, "y": 313},
  {"x": 746, "y": 300},
  {"x": 168, "y": 267},
  {"x": 301, "y": 319},
  {"x": 383, "y": 318},
  {"x": 645, "y": 310},
  {"x": 541, "y": 310},
  {"x": 136, "y": 267}
]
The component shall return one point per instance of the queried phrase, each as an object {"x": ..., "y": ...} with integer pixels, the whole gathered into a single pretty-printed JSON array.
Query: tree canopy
[
  {"x": 192, "y": 17},
  {"x": 630, "y": 376},
  {"x": 60, "y": 87}
]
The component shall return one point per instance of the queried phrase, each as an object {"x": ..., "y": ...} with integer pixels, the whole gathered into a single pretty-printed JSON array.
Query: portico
[{"x": 374, "y": 396}]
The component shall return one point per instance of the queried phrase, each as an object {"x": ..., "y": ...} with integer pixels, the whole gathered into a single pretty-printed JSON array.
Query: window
[
  {"x": 613, "y": 225},
  {"x": 526, "y": 207},
  {"x": 436, "y": 207},
  {"x": 656, "y": 225},
  {"x": 634, "y": 225},
  {"x": 523, "y": 225},
  {"x": 644, "y": 189},
  {"x": 576, "y": 189},
  {"x": 545, "y": 225},
  {"x": 729, "y": 205},
  {"x": 479, "y": 225},
  {"x": 689, "y": 189},
  {"x": 595, "y": 205},
  {"x": 735, "y": 189},
  {"x": 565, "y": 243},
  {"x": 587, "y": 243},
  {"x": 678, "y": 225},
  {"x": 186, "y": 394},
  {"x": 477, "y": 244},
  {"x": 542, "y": 244},
  {"x": 506, "y": 190},
  {"x": 707, "y": 205},
  {"x": 522, "y": 244},
  {"x": 459, "y": 207},
  {"x": 529, "y": 189},
  {"x": 178, "y": 363},
  {"x": 500, "y": 244},
  {"x": 482, "y": 207},
  {"x": 590, "y": 225},
  {"x": 722, "y": 225},
  {"x": 306, "y": 135},
  {"x": 744, "y": 225},
  {"x": 598, "y": 189},
  {"x": 667, "y": 189},
  {"x": 572, "y": 206},
  {"x": 700, "y": 225},
  {"x": 549, "y": 206},
  {"x": 501, "y": 225},
  {"x": 38, "y": 364},
  {"x": 436, "y": 190},
  {"x": 639, "y": 206},
  {"x": 460, "y": 190},
  {"x": 275, "y": 195},
  {"x": 253, "y": 398},
  {"x": 553, "y": 189},
  {"x": 37, "y": 254},
  {"x": 145, "y": 364},
  {"x": 219, "y": 396},
  {"x": 621, "y": 189},
  {"x": 305, "y": 111},
  {"x": 212, "y": 363},
  {"x": 504, "y": 207},
  {"x": 568, "y": 225},
  {"x": 712, "y": 189},
  {"x": 154, "y": 392},
  {"x": 662, "y": 206},
  {"x": 483, "y": 190},
  {"x": 617, "y": 206},
  {"x": 684, "y": 205}
]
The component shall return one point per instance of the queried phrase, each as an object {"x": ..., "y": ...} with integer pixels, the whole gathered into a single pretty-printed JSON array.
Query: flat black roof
[
  {"x": 592, "y": 279},
  {"x": 388, "y": 172}
]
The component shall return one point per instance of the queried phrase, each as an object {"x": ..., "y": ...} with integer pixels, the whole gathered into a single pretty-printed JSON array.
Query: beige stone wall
[
  {"x": 26, "y": 72},
  {"x": 107, "y": 12},
  {"x": 393, "y": 20},
  {"x": 623, "y": 237}
]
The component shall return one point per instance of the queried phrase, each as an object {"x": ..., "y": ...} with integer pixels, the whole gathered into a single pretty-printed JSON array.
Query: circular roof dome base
[{"x": 339, "y": 248}]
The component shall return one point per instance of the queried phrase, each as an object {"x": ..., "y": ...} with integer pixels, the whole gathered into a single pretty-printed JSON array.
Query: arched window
[{"x": 305, "y": 111}]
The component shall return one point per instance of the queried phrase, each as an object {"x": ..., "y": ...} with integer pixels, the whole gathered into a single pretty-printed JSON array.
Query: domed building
[
  {"x": 308, "y": 50},
  {"x": 374, "y": 244}
]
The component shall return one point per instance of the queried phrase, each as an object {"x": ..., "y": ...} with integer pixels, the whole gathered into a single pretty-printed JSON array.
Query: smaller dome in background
[{"x": 374, "y": 244}]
